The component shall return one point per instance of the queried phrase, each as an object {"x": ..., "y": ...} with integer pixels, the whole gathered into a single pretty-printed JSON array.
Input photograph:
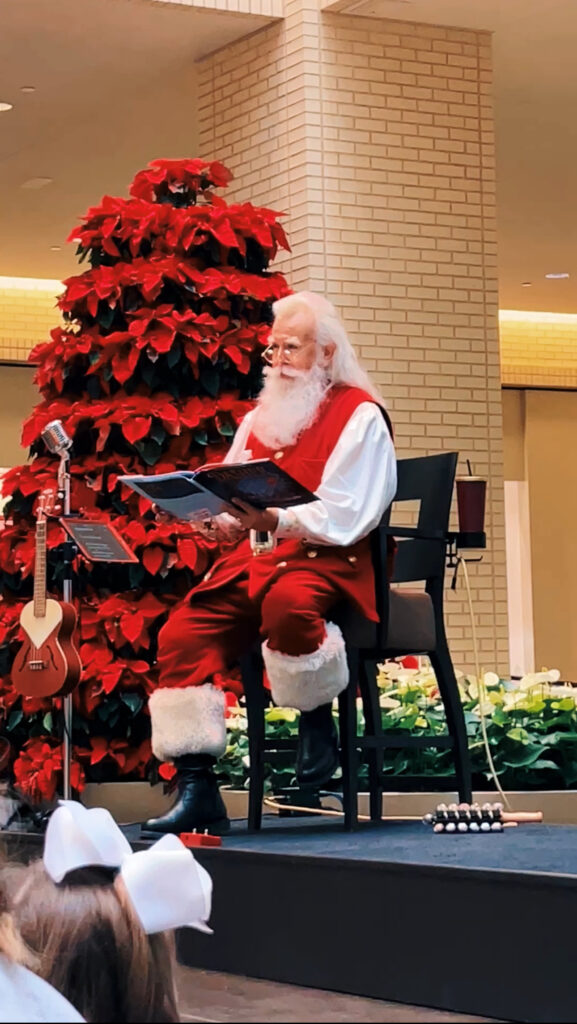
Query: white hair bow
[{"x": 167, "y": 886}]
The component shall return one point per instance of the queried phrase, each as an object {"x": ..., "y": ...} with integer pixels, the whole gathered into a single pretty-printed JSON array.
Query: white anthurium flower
[
  {"x": 246, "y": 761},
  {"x": 485, "y": 707},
  {"x": 473, "y": 687},
  {"x": 491, "y": 679},
  {"x": 389, "y": 702},
  {"x": 407, "y": 675},
  {"x": 539, "y": 679},
  {"x": 562, "y": 691},
  {"x": 515, "y": 699},
  {"x": 237, "y": 721}
]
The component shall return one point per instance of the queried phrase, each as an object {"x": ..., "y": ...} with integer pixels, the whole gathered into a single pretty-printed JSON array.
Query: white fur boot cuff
[
  {"x": 306, "y": 681},
  {"x": 187, "y": 721}
]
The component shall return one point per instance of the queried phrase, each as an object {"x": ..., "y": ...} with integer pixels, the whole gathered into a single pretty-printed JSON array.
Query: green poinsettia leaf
[
  {"x": 14, "y": 719},
  {"x": 133, "y": 701},
  {"x": 157, "y": 432},
  {"x": 210, "y": 380},
  {"x": 149, "y": 450},
  {"x": 173, "y": 355}
]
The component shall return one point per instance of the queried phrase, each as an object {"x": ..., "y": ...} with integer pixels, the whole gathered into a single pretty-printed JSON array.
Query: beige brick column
[{"x": 376, "y": 138}]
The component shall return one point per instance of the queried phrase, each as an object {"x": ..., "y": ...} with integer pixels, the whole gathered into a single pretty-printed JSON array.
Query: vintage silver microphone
[{"x": 55, "y": 437}]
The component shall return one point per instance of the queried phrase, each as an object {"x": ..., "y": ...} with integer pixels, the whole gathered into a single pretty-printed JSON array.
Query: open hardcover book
[{"x": 211, "y": 489}]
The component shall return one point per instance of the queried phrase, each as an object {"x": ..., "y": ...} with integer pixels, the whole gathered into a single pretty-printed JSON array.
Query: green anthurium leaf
[
  {"x": 526, "y": 757},
  {"x": 47, "y": 721},
  {"x": 542, "y": 764},
  {"x": 519, "y": 735}
]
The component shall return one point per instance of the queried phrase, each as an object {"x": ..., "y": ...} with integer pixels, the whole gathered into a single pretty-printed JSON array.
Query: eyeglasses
[{"x": 290, "y": 349}]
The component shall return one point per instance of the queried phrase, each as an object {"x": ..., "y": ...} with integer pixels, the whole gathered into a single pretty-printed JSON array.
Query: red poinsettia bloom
[
  {"x": 38, "y": 769},
  {"x": 178, "y": 174}
]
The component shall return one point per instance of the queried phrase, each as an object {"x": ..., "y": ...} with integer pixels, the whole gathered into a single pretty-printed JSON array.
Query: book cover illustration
[{"x": 212, "y": 489}]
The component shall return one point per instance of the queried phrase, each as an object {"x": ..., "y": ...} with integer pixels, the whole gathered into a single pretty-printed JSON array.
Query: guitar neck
[{"x": 40, "y": 571}]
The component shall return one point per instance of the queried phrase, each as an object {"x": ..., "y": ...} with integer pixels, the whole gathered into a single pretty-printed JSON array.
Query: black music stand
[{"x": 97, "y": 541}]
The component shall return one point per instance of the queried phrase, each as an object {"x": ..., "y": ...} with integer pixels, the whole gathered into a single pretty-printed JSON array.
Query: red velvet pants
[{"x": 207, "y": 635}]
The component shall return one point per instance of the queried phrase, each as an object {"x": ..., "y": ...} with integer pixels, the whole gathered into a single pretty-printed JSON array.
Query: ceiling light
[
  {"x": 55, "y": 248},
  {"x": 555, "y": 277},
  {"x": 27, "y": 88},
  {"x": 526, "y": 284},
  {"x": 5, "y": 106},
  {"x": 35, "y": 183}
]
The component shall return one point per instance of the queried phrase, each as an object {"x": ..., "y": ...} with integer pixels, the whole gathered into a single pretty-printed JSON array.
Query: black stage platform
[{"x": 482, "y": 924}]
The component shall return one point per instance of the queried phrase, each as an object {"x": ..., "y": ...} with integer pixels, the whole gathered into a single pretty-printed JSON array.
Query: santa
[{"x": 320, "y": 417}]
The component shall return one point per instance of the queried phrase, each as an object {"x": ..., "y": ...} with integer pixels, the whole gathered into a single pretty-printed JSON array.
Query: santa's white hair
[
  {"x": 344, "y": 367},
  {"x": 291, "y": 398}
]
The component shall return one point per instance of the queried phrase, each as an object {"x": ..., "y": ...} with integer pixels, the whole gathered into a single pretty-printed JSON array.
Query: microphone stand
[{"x": 69, "y": 551}]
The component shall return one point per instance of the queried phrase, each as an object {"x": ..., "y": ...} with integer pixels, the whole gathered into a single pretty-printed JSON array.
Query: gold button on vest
[
  {"x": 278, "y": 455},
  {"x": 282, "y": 565},
  {"x": 312, "y": 553},
  {"x": 352, "y": 559}
]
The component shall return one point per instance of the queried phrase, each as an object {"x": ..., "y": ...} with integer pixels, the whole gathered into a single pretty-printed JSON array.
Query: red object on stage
[{"x": 199, "y": 839}]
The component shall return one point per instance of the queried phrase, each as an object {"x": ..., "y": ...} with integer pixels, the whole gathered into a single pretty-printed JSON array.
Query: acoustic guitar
[{"x": 47, "y": 664}]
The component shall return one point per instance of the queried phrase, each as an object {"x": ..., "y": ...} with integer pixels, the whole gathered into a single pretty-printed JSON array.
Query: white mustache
[{"x": 276, "y": 372}]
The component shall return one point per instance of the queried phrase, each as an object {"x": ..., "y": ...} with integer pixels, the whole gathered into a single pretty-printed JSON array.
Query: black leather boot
[
  {"x": 318, "y": 749},
  {"x": 199, "y": 805}
]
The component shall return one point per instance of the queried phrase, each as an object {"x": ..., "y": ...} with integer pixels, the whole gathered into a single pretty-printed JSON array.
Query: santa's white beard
[{"x": 288, "y": 403}]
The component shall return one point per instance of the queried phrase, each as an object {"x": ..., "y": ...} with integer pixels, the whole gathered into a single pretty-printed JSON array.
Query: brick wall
[
  {"x": 27, "y": 315},
  {"x": 376, "y": 138},
  {"x": 538, "y": 349}
]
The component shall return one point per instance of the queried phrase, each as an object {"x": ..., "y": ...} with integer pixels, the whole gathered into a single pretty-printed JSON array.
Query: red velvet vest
[{"x": 348, "y": 568}]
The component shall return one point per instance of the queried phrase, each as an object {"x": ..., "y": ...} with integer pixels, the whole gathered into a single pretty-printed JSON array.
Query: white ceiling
[
  {"x": 115, "y": 86},
  {"x": 535, "y": 63}
]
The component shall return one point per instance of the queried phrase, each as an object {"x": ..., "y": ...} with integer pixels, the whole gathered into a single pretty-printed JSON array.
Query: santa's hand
[
  {"x": 250, "y": 518},
  {"x": 164, "y": 517}
]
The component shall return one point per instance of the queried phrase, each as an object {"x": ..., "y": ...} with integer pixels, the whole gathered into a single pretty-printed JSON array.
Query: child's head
[{"x": 100, "y": 918}]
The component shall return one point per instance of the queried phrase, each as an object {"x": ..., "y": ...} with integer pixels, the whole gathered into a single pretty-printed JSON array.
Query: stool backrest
[{"x": 421, "y": 548}]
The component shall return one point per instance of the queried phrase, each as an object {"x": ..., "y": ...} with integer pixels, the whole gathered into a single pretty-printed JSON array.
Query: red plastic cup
[{"x": 471, "y": 495}]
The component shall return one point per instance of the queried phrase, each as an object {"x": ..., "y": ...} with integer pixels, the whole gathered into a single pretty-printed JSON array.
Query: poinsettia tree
[{"x": 156, "y": 363}]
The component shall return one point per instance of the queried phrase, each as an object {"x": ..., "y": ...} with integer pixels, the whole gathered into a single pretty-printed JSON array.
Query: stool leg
[
  {"x": 443, "y": 667},
  {"x": 251, "y": 670},
  {"x": 348, "y": 740},
  {"x": 373, "y": 727}
]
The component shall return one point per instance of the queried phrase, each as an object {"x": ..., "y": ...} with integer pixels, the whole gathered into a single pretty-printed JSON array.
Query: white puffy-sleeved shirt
[
  {"x": 357, "y": 486},
  {"x": 26, "y": 997}
]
